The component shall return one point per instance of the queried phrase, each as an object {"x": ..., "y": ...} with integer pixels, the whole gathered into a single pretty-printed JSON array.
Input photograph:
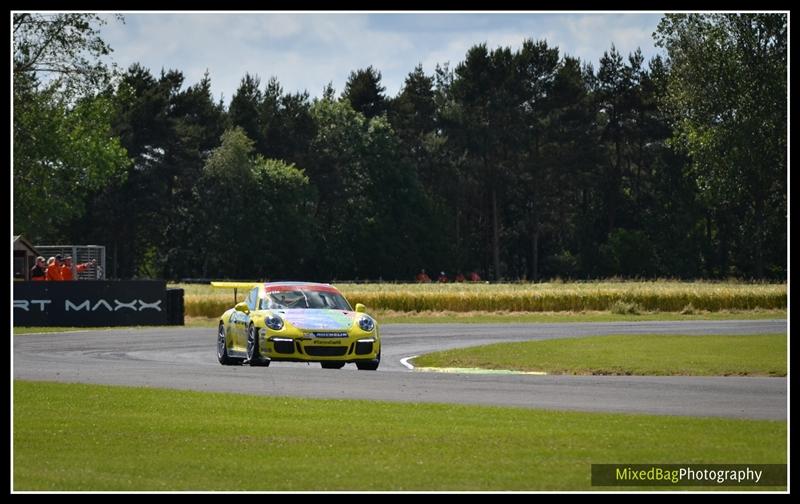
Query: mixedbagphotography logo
[{"x": 760, "y": 475}]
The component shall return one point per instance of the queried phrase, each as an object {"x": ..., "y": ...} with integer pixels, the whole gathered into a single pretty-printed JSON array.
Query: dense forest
[{"x": 518, "y": 164}]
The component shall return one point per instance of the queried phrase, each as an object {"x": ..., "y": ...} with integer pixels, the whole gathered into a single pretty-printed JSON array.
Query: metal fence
[{"x": 80, "y": 254}]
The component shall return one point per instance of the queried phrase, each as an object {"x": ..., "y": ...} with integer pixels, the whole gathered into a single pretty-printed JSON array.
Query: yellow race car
[{"x": 297, "y": 321}]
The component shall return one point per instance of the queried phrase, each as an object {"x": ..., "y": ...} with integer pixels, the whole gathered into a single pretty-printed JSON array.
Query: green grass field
[
  {"x": 92, "y": 437},
  {"x": 481, "y": 317},
  {"x": 717, "y": 355},
  {"x": 625, "y": 297},
  {"x": 49, "y": 329}
]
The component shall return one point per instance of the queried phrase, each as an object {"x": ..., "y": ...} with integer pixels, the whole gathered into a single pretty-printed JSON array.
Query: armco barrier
[{"x": 96, "y": 303}]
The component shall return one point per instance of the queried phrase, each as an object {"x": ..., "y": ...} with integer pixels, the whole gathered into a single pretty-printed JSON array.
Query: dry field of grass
[{"x": 614, "y": 296}]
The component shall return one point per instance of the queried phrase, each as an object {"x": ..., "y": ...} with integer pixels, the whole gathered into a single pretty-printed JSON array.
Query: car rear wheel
[
  {"x": 222, "y": 348},
  {"x": 370, "y": 365},
  {"x": 253, "y": 354},
  {"x": 332, "y": 364}
]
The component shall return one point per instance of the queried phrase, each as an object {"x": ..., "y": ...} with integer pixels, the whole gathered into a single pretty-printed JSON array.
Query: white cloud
[
  {"x": 306, "y": 51},
  {"x": 588, "y": 36}
]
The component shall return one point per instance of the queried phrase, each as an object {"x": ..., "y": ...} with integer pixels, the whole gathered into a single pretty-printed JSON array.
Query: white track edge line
[{"x": 406, "y": 363}]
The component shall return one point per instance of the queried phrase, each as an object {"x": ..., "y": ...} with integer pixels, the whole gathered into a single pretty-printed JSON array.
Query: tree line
[{"x": 519, "y": 164}]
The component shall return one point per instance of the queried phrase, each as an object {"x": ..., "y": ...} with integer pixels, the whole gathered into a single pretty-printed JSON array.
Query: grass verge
[
  {"x": 94, "y": 437},
  {"x": 479, "y": 317},
  {"x": 646, "y": 354},
  {"x": 484, "y": 317}
]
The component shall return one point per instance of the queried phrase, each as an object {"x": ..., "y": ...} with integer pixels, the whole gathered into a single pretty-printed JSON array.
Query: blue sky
[{"x": 306, "y": 51}]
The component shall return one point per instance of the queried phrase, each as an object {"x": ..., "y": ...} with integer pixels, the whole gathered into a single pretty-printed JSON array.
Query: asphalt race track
[{"x": 185, "y": 358}]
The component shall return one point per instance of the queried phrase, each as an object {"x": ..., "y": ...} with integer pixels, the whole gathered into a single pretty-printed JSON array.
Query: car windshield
[{"x": 309, "y": 299}]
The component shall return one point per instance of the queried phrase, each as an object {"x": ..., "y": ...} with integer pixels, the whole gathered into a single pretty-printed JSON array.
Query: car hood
[{"x": 335, "y": 320}]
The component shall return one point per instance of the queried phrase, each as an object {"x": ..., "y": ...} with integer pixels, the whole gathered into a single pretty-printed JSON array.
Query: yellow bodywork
[
  {"x": 330, "y": 336},
  {"x": 235, "y": 285}
]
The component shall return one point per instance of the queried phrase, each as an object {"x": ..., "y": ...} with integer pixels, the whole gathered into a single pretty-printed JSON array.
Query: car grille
[
  {"x": 284, "y": 347},
  {"x": 325, "y": 351}
]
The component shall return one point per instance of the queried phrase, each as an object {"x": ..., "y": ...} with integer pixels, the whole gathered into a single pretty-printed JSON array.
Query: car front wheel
[
  {"x": 253, "y": 353},
  {"x": 370, "y": 365}
]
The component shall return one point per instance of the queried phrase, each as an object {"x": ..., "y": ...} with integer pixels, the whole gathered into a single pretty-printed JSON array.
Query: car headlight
[
  {"x": 366, "y": 324},
  {"x": 274, "y": 322}
]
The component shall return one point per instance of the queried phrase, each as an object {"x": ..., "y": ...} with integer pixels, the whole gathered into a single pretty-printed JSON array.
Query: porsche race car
[{"x": 297, "y": 321}]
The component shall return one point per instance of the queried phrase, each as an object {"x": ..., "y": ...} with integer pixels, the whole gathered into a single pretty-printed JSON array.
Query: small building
[{"x": 24, "y": 258}]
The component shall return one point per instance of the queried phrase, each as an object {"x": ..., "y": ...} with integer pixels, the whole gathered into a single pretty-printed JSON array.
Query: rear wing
[{"x": 235, "y": 286}]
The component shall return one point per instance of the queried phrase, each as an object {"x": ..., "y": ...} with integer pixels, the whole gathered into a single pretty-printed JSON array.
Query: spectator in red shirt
[
  {"x": 423, "y": 277},
  {"x": 53, "y": 272},
  {"x": 70, "y": 271},
  {"x": 459, "y": 277},
  {"x": 474, "y": 277},
  {"x": 442, "y": 278}
]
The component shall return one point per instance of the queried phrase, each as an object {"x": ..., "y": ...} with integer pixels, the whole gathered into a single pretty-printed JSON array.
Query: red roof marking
[{"x": 310, "y": 287}]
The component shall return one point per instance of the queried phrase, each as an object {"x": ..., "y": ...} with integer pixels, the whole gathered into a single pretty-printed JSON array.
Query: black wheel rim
[
  {"x": 251, "y": 343},
  {"x": 221, "y": 342}
]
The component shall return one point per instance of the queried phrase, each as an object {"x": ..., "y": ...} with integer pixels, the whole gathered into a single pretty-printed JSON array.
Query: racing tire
[
  {"x": 332, "y": 364},
  {"x": 222, "y": 349},
  {"x": 370, "y": 365},
  {"x": 253, "y": 355}
]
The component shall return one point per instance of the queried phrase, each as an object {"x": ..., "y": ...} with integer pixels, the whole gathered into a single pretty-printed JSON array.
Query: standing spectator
[
  {"x": 38, "y": 271},
  {"x": 53, "y": 272},
  {"x": 442, "y": 278},
  {"x": 423, "y": 277},
  {"x": 70, "y": 271},
  {"x": 474, "y": 277},
  {"x": 459, "y": 277}
]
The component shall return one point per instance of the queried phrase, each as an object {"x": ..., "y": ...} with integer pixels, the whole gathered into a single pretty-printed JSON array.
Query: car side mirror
[
  {"x": 360, "y": 308},
  {"x": 242, "y": 307}
]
